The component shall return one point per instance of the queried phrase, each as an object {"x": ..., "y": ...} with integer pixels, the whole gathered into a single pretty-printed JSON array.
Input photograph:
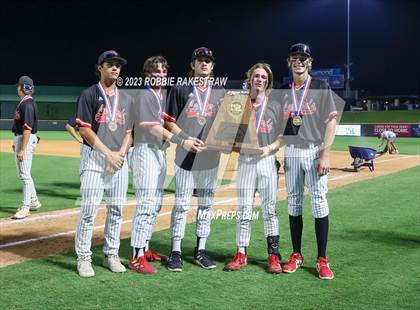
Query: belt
[
  {"x": 154, "y": 146},
  {"x": 305, "y": 145}
]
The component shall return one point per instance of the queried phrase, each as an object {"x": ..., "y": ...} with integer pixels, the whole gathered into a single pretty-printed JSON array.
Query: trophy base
[{"x": 234, "y": 148}]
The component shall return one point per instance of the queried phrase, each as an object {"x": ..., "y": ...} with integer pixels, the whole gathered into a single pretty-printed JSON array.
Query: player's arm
[
  {"x": 323, "y": 166},
  {"x": 114, "y": 158},
  {"x": 176, "y": 136},
  {"x": 127, "y": 143},
  {"x": 23, "y": 144},
  {"x": 272, "y": 148},
  {"x": 382, "y": 141},
  {"x": 70, "y": 129}
]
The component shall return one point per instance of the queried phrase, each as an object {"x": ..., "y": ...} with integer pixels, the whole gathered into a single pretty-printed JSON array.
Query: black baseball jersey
[
  {"x": 92, "y": 113},
  {"x": 183, "y": 109},
  {"x": 317, "y": 108},
  {"x": 148, "y": 110},
  {"x": 26, "y": 116},
  {"x": 271, "y": 122}
]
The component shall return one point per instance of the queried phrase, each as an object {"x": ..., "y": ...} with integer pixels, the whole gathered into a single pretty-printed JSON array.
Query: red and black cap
[
  {"x": 203, "y": 51},
  {"x": 300, "y": 49},
  {"x": 111, "y": 55}
]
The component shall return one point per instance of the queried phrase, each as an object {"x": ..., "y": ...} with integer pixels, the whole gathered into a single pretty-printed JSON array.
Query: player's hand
[
  {"x": 80, "y": 140},
  {"x": 265, "y": 151},
  {"x": 109, "y": 168},
  {"x": 20, "y": 155},
  {"x": 116, "y": 159},
  {"x": 191, "y": 145},
  {"x": 323, "y": 166}
]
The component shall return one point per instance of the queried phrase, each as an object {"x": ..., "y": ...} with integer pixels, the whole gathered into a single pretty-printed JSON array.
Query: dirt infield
[{"x": 52, "y": 233}]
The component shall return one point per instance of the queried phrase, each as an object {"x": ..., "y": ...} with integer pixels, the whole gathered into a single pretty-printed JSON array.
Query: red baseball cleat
[
  {"x": 238, "y": 261},
  {"x": 274, "y": 264},
  {"x": 152, "y": 256},
  {"x": 141, "y": 265},
  {"x": 295, "y": 262},
  {"x": 323, "y": 268}
]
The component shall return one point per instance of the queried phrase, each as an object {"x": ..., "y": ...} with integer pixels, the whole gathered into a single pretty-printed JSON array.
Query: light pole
[{"x": 348, "y": 90}]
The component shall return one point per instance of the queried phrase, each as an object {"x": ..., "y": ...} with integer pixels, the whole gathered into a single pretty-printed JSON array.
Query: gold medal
[
  {"x": 201, "y": 120},
  {"x": 297, "y": 120},
  {"x": 112, "y": 126}
]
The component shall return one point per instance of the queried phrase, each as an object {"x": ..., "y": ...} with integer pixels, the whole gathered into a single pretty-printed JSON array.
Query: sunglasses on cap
[
  {"x": 203, "y": 51},
  {"x": 27, "y": 87}
]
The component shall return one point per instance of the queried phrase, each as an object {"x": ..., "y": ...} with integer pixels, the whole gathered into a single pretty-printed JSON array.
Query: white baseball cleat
[
  {"x": 113, "y": 263},
  {"x": 84, "y": 268},
  {"x": 21, "y": 213},
  {"x": 35, "y": 205}
]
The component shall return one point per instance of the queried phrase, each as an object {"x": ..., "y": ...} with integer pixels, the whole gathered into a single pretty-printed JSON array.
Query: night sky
[{"x": 57, "y": 43}]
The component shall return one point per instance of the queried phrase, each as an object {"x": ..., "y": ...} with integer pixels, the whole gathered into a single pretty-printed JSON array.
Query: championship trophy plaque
[{"x": 234, "y": 128}]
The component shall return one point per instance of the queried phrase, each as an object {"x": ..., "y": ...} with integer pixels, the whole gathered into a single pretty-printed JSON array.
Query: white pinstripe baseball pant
[
  {"x": 94, "y": 181},
  {"x": 149, "y": 171},
  {"x": 23, "y": 169},
  {"x": 205, "y": 182},
  {"x": 300, "y": 168},
  {"x": 256, "y": 173}
]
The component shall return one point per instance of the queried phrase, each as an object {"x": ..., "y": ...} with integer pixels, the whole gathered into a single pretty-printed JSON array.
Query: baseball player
[
  {"x": 102, "y": 118},
  {"x": 25, "y": 126},
  {"x": 149, "y": 162},
  {"x": 390, "y": 137},
  {"x": 191, "y": 111},
  {"x": 310, "y": 115},
  {"x": 72, "y": 129},
  {"x": 259, "y": 172}
]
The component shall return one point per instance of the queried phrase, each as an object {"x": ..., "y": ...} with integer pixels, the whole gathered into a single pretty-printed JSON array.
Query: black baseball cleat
[
  {"x": 175, "y": 261},
  {"x": 203, "y": 259}
]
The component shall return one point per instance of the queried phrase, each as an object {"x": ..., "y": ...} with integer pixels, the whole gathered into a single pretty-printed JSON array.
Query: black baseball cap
[
  {"x": 203, "y": 51},
  {"x": 300, "y": 48},
  {"x": 111, "y": 55}
]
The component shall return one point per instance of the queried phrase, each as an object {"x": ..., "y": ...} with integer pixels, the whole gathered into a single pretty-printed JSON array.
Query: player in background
[
  {"x": 259, "y": 172},
  {"x": 309, "y": 113},
  {"x": 104, "y": 124},
  {"x": 25, "y": 126},
  {"x": 390, "y": 137}
]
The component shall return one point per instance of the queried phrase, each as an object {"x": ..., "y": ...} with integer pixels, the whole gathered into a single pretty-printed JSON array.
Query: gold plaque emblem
[{"x": 236, "y": 108}]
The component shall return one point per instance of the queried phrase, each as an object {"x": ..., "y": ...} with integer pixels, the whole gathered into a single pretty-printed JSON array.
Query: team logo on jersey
[
  {"x": 308, "y": 108},
  {"x": 17, "y": 115},
  {"x": 266, "y": 126},
  {"x": 100, "y": 117},
  {"x": 100, "y": 98}
]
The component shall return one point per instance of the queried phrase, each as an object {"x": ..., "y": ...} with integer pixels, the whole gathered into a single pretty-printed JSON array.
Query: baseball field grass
[
  {"x": 380, "y": 117},
  {"x": 57, "y": 178},
  {"x": 374, "y": 248},
  {"x": 57, "y": 182}
]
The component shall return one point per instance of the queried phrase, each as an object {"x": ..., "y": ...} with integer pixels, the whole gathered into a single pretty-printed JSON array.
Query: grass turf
[
  {"x": 409, "y": 146},
  {"x": 57, "y": 183},
  {"x": 380, "y": 117},
  {"x": 373, "y": 246}
]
